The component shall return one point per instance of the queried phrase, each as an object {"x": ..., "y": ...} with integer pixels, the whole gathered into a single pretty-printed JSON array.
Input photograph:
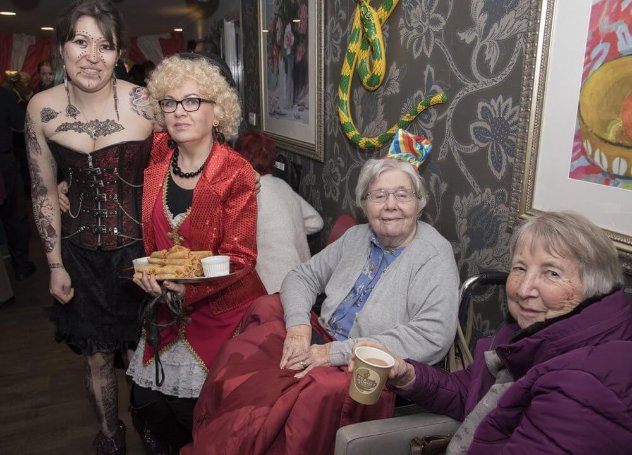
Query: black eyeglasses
[{"x": 188, "y": 104}]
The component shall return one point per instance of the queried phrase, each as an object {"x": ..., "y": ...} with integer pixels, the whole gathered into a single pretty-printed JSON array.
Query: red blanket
[{"x": 249, "y": 405}]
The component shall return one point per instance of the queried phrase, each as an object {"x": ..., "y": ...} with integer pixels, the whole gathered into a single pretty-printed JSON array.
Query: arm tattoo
[
  {"x": 141, "y": 103},
  {"x": 42, "y": 208},
  {"x": 31, "y": 139},
  {"x": 48, "y": 114}
]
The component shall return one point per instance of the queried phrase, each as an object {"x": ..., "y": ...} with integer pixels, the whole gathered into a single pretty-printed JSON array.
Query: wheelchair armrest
[
  {"x": 485, "y": 278},
  {"x": 392, "y": 435}
]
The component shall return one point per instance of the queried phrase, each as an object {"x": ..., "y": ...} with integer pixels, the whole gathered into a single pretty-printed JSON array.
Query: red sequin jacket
[{"x": 223, "y": 219}]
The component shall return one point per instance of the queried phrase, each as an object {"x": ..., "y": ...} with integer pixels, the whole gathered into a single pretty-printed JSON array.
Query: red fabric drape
[
  {"x": 6, "y": 49},
  {"x": 268, "y": 410},
  {"x": 134, "y": 52},
  {"x": 171, "y": 45},
  {"x": 41, "y": 50}
]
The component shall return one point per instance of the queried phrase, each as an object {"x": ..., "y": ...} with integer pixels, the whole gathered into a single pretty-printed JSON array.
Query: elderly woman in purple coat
[{"x": 556, "y": 378}]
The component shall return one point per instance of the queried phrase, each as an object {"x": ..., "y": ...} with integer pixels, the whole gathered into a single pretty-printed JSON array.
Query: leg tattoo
[{"x": 102, "y": 389}]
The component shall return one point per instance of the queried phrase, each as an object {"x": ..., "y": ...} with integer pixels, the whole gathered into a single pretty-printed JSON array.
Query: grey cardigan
[{"x": 412, "y": 310}]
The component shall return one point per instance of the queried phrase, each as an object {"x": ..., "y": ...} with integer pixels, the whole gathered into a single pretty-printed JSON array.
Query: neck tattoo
[{"x": 177, "y": 171}]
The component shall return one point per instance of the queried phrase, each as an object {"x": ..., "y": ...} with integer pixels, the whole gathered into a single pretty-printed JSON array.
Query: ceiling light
[
  {"x": 177, "y": 29},
  {"x": 7, "y": 13},
  {"x": 296, "y": 20},
  {"x": 47, "y": 28}
]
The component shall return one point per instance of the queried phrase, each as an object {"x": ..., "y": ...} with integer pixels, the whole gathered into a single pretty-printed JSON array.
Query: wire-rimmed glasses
[{"x": 381, "y": 196}]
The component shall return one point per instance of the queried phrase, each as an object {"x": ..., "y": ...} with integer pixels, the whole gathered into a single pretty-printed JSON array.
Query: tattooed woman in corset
[{"x": 95, "y": 133}]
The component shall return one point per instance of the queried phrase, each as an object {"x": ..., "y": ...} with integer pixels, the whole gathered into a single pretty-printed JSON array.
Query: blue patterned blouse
[{"x": 343, "y": 318}]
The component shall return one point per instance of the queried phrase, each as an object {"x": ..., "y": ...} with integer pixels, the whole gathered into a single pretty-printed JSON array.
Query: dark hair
[
  {"x": 103, "y": 11},
  {"x": 44, "y": 63},
  {"x": 259, "y": 149},
  {"x": 213, "y": 59},
  {"x": 136, "y": 74},
  {"x": 149, "y": 66}
]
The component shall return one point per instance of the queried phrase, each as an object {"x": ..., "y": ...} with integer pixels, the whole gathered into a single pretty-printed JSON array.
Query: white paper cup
[
  {"x": 369, "y": 374},
  {"x": 216, "y": 266},
  {"x": 140, "y": 261}
]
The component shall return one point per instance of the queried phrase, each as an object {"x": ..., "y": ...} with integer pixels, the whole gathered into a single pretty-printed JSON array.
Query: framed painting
[
  {"x": 291, "y": 68},
  {"x": 577, "y": 153}
]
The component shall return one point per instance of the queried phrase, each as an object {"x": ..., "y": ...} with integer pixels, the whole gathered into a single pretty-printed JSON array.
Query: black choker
[{"x": 177, "y": 171}]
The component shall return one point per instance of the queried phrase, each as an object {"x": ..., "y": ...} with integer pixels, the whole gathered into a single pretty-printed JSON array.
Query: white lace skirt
[{"x": 184, "y": 374}]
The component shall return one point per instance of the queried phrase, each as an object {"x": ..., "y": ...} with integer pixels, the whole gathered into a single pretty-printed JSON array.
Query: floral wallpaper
[{"x": 474, "y": 51}]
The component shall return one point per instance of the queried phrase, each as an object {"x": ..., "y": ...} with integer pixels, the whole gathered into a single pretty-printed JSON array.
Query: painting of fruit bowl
[{"x": 605, "y": 116}]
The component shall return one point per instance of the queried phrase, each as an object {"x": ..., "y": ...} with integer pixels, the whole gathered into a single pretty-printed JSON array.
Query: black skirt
[{"x": 103, "y": 315}]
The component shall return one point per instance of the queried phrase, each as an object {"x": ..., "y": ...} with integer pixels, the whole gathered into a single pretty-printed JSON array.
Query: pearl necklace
[{"x": 177, "y": 171}]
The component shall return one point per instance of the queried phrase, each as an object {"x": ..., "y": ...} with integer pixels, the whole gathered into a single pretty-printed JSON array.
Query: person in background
[
  {"x": 46, "y": 73},
  {"x": 284, "y": 219},
  {"x": 94, "y": 132},
  {"x": 6, "y": 291},
  {"x": 281, "y": 386},
  {"x": 120, "y": 72},
  {"x": 150, "y": 66},
  {"x": 20, "y": 84},
  {"x": 556, "y": 377},
  {"x": 200, "y": 194},
  {"x": 136, "y": 74},
  {"x": 13, "y": 212}
]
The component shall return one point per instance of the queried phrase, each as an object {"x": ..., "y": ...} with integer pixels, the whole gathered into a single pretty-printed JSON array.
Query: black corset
[{"x": 105, "y": 193}]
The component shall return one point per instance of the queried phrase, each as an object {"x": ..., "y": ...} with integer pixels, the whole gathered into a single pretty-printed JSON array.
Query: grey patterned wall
[{"x": 475, "y": 52}]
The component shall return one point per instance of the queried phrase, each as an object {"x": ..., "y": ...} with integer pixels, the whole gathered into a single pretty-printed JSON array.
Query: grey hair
[
  {"x": 568, "y": 233},
  {"x": 373, "y": 168}
]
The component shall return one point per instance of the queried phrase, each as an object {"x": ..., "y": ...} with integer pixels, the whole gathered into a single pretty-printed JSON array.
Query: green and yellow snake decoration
[{"x": 366, "y": 52}]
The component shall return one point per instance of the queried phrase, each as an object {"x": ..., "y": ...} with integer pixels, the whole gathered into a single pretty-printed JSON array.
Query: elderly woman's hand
[
  {"x": 296, "y": 347},
  {"x": 318, "y": 357},
  {"x": 401, "y": 375}
]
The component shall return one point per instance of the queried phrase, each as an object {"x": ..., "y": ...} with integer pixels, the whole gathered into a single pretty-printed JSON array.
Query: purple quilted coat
[{"x": 572, "y": 392}]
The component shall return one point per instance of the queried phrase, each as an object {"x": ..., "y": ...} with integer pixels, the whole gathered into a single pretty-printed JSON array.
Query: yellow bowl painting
[{"x": 600, "y": 103}]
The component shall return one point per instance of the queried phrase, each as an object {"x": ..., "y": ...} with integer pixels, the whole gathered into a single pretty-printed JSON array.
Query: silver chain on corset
[{"x": 114, "y": 198}]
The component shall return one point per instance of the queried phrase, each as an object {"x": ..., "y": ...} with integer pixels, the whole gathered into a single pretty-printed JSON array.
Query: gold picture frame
[
  {"x": 291, "y": 43},
  {"x": 551, "y": 87}
]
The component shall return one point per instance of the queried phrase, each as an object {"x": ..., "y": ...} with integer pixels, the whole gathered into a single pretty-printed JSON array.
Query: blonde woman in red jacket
[{"x": 199, "y": 193}]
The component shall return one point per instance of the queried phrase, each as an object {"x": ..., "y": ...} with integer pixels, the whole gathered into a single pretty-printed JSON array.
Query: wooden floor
[{"x": 43, "y": 403}]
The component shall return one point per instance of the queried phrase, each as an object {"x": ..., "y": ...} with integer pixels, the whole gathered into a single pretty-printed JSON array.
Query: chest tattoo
[
  {"x": 48, "y": 114},
  {"x": 94, "y": 128},
  {"x": 71, "y": 110}
]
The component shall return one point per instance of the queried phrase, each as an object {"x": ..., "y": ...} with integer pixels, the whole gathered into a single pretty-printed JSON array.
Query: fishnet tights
[{"x": 102, "y": 387}]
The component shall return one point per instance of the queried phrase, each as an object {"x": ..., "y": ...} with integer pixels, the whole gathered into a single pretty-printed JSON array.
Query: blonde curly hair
[{"x": 172, "y": 71}]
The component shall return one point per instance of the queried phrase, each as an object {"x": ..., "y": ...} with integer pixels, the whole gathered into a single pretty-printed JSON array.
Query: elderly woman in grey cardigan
[{"x": 393, "y": 280}]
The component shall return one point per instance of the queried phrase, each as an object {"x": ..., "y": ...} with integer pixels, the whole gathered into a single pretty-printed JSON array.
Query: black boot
[
  {"x": 153, "y": 444},
  {"x": 114, "y": 445}
]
